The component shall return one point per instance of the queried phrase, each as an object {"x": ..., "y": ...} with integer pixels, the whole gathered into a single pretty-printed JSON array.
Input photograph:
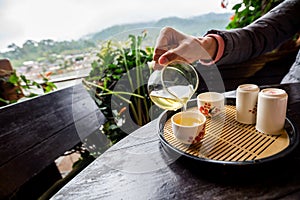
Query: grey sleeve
[{"x": 263, "y": 35}]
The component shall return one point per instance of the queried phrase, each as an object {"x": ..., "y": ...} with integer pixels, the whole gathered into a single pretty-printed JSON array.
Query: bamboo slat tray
[{"x": 229, "y": 142}]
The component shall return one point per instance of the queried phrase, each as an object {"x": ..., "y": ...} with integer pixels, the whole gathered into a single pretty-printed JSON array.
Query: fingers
[
  {"x": 165, "y": 41},
  {"x": 158, "y": 53},
  {"x": 168, "y": 47},
  {"x": 163, "y": 55},
  {"x": 161, "y": 47},
  {"x": 160, "y": 56},
  {"x": 166, "y": 59},
  {"x": 170, "y": 56}
]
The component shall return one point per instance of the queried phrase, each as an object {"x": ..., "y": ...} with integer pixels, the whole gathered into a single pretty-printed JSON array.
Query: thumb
[
  {"x": 169, "y": 57},
  {"x": 163, "y": 60}
]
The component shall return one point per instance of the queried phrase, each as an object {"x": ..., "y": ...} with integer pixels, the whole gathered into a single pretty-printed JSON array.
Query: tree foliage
[
  {"x": 249, "y": 10},
  {"x": 42, "y": 50}
]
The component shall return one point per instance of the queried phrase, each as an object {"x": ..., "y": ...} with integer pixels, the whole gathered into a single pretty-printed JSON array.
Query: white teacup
[
  {"x": 189, "y": 126},
  {"x": 246, "y": 103},
  {"x": 210, "y": 104},
  {"x": 271, "y": 111}
]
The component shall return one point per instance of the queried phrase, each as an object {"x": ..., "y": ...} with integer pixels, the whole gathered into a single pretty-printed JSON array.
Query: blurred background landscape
[{"x": 69, "y": 58}]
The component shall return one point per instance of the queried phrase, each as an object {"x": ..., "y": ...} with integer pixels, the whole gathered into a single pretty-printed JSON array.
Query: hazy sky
[{"x": 21, "y": 20}]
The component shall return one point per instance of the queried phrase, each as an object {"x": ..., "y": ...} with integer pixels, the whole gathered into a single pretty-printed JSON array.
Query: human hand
[{"x": 173, "y": 45}]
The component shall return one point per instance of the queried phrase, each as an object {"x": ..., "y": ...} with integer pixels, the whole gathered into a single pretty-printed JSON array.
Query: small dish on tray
[{"x": 229, "y": 142}]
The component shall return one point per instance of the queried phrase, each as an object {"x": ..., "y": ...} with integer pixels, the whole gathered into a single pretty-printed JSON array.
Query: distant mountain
[{"x": 196, "y": 26}]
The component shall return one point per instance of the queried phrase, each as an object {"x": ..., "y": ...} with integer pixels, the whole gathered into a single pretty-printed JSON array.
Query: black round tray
[{"x": 292, "y": 133}]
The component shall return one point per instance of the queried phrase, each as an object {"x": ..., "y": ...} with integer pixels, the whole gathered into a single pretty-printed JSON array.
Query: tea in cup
[
  {"x": 210, "y": 104},
  {"x": 189, "y": 126}
]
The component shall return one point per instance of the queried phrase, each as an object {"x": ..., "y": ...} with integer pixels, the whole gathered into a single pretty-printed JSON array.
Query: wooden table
[{"x": 138, "y": 167}]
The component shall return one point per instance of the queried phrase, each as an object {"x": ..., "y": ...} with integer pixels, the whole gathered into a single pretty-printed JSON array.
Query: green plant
[
  {"x": 248, "y": 11},
  {"x": 22, "y": 86},
  {"x": 117, "y": 60}
]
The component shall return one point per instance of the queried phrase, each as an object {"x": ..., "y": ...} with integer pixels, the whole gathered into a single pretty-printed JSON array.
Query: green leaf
[
  {"x": 13, "y": 79},
  {"x": 113, "y": 127},
  {"x": 4, "y": 101},
  {"x": 119, "y": 71},
  {"x": 236, "y": 7},
  {"x": 112, "y": 66},
  {"x": 116, "y": 77},
  {"x": 25, "y": 87},
  {"x": 36, "y": 84},
  {"x": 32, "y": 95},
  {"x": 23, "y": 78}
]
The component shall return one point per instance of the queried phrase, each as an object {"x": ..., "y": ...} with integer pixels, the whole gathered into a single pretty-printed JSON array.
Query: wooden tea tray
[{"x": 229, "y": 142}]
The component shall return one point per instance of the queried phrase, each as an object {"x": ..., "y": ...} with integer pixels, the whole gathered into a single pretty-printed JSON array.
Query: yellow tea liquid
[
  {"x": 187, "y": 121},
  {"x": 181, "y": 94}
]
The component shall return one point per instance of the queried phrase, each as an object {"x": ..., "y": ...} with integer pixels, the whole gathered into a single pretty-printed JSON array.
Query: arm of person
[{"x": 263, "y": 35}]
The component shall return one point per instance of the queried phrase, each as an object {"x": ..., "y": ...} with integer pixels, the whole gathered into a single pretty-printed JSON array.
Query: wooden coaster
[{"x": 228, "y": 140}]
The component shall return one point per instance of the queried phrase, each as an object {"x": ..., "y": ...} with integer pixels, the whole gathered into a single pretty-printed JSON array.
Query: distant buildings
[{"x": 60, "y": 66}]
